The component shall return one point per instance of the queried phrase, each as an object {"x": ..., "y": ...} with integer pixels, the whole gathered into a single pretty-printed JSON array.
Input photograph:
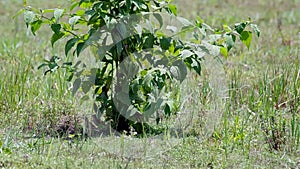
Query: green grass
[{"x": 260, "y": 126}]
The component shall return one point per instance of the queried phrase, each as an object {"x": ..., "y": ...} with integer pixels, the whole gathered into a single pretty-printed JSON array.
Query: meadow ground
[{"x": 260, "y": 126}]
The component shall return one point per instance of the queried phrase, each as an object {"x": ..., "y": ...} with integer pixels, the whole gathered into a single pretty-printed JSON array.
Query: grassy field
[{"x": 260, "y": 127}]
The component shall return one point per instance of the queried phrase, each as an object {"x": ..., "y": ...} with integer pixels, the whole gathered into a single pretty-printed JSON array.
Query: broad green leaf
[
  {"x": 35, "y": 26},
  {"x": 205, "y": 49},
  {"x": 94, "y": 17},
  {"x": 130, "y": 112},
  {"x": 73, "y": 20},
  {"x": 73, "y": 5},
  {"x": 229, "y": 41},
  {"x": 199, "y": 54},
  {"x": 178, "y": 72},
  {"x": 19, "y": 13},
  {"x": 56, "y": 36},
  {"x": 86, "y": 86},
  {"x": 165, "y": 43},
  {"x": 121, "y": 27},
  {"x": 173, "y": 29},
  {"x": 193, "y": 64},
  {"x": 184, "y": 21},
  {"x": 196, "y": 66},
  {"x": 162, "y": 61},
  {"x": 246, "y": 38},
  {"x": 139, "y": 29},
  {"x": 186, "y": 53},
  {"x": 48, "y": 10},
  {"x": 173, "y": 9},
  {"x": 79, "y": 48},
  {"x": 123, "y": 97},
  {"x": 159, "y": 19},
  {"x": 58, "y": 13},
  {"x": 159, "y": 103},
  {"x": 255, "y": 29},
  {"x": 76, "y": 86},
  {"x": 70, "y": 43},
  {"x": 56, "y": 28},
  {"x": 80, "y": 12},
  {"x": 224, "y": 52},
  {"x": 85, "y": 3},
  {"x": 29, "y": 17},
  {"x": 149, "y": 42},
  {"x": 119, "y": 48},
  {"x": 239, "y": 27},
  {"x": 227, "y": 28}
]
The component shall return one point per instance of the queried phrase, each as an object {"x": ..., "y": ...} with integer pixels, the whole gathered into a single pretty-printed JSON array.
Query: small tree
[{"x": 126, "y": 35}]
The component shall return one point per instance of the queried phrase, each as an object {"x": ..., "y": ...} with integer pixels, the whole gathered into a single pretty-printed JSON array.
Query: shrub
[{"x": 139, "y": 58}]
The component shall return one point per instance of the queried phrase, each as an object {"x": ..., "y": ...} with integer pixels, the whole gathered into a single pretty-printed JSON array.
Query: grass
[{"x": 260, "y": 126}]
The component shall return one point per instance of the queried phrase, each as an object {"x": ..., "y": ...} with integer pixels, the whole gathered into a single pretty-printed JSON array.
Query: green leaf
[
  {"x": 80, "y": 12},
  {"x": 139, "y": 4},
  {"x": 239, "y": 27},
  {"x": 139, "y": 29},
  {"x": 48, "y": 11},
  {"x": 149, "y": 42},
  {"x": 76, "y": 86},
  {"x": 196, "y": 66},
  {"x": 73, "y": 5},
  {"x": 56, "y": 36},
  {"x": 224, "y": 52},
  {"x": 178, "y": 70},
  {"x": 185, "y": 22},
  {"x": 58, "y": 13},
  {"x": 73, "y": 20},
  {"x": 229, "y": 41},
  {"x": 79, "y": 48},
  {"x": 227, "y": 28},
  {"x": 159, "y": 19},
  {"x": 193, "y": 64},
  {"x": 165, "y": 43},
  {"x": 173, "y": 29},
  {"x": 119, "y": 46},
  {"x": 246, "y": 38},
  {"x": 173, "y": 9},
  {"x": 86, "y": 86},
  {"x": 255, "y": 29},
  {"x": 19, "y": 13},
  {"x": 121, "y": 27},
  {"x": 35, "y": 26},
  {"x": 56, "y": 28},
  {"x": 29, "y": 17},
  {"x": 70, "y": 43},
  {"x": 186, "y": 53}
]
